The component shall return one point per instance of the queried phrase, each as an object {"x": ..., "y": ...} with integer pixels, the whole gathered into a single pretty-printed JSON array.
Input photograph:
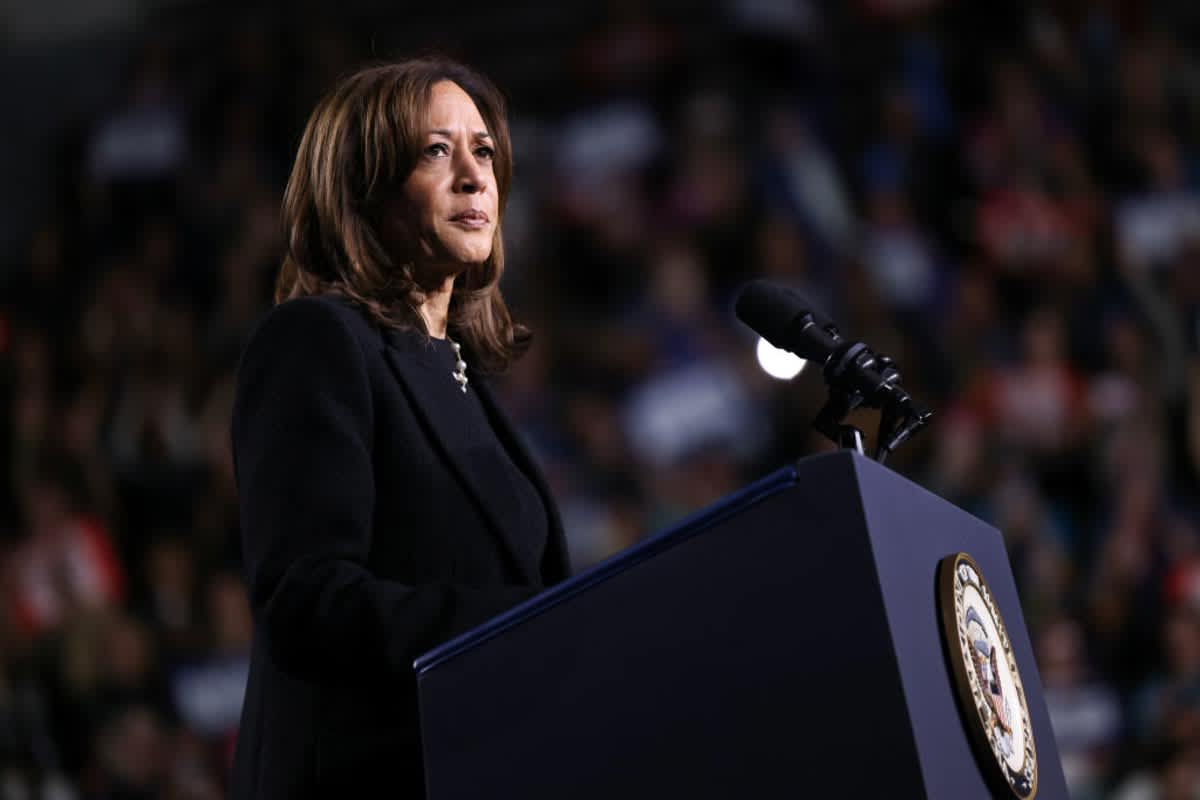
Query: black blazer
[{"x": 372, "y": 530}]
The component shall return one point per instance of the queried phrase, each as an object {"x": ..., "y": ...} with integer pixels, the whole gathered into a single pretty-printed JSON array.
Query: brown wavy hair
[{"x": 360, "y": 144}]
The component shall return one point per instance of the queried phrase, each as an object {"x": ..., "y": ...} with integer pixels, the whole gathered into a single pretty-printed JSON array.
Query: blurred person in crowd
[
  {"x": 80, "y": 422},
  {"x": 1154, "y": 225},
  {"x": 1128, "y": 387},
  {"x": 1010, "y": 138},
  {"x": 129, "y": 669},
  {"x": 191, "y": 769},
  {"x": 39, "y": 292},
  {"x": 628, "y": 48},
  {"x": 910, "y": 153},
  {"x": 209, "y": 686},
  {"x": 675, "y": 313},
  {"x": 798, "y": 175},
  {"x": 1191, "y": 423},
  {"x": 961, "y": 470},
  {"x": 137, "y": 149},
  {"x": 971, "y": 336},
  {"x": 1158, "y": 250},
  {"x": 1035, "y": 536},
  {"x": 229, "y": 616},
  {"x": 153, "y": 443},
  {"x": 1169, "y": 703},
  {"x": 131, "y": 756},
  {"x": 698, "y": 476},
  {"x": 101, "y": 662},
  {"x": 1038, "y": 404},
  {"x": 214, "y": 524},
  {"x": 903, "y": 265},
  {"x": 1146, "y": 89},
  {"x": 245, "y": 276},
  {"x": 31, "y": 377},
  {"x": 31, "y": 763},
  {"x": 386, "y": 502},
  {"x": 1169, "y": 301},
  {"x": 1085, "y": 712},
  {"x": 1128, "y": 563},
  {"x": 167, "y": 594},
  {"x": 1024, "y": 229},
  {"x": 66, "y": 560},
  {"x": 1170, "y": 772},
  {"x": 118, "y": 322}
]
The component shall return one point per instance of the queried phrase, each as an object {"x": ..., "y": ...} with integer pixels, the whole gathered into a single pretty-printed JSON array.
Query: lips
[{"x": 470, "y": 215}]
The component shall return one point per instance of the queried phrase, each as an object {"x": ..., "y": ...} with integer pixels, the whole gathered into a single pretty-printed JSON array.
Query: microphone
[
  {"x": 855, "y": 374},
  {"x": 788, "y": 321}
]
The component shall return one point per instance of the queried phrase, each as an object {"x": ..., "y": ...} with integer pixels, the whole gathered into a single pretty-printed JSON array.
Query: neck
[{"x": 436, "y": 308}]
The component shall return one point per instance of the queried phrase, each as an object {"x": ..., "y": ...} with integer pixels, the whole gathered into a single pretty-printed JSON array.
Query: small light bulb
[{"x": 778, "y": 363}]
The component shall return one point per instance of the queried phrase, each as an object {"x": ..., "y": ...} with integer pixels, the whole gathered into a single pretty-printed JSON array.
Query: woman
[{"x": 386, "y": 503}]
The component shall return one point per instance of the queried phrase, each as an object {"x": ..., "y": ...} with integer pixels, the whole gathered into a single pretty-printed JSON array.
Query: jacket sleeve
[{"x": 302, "y": 448}]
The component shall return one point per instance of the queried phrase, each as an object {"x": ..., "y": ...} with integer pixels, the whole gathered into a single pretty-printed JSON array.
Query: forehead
[{"x": 450, "y": 107}]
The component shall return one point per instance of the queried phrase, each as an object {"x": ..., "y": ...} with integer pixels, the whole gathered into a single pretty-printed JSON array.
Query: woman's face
[{"x": 446, "y": 214}]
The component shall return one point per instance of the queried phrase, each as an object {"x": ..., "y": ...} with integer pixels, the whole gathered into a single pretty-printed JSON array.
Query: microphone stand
[
  {"x": 829, "y": 420},
  {"x": 900, "y": 416}
]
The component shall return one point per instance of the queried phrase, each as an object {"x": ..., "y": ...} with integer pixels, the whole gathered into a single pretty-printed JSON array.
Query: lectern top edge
[{"x": 617, "y": 563}]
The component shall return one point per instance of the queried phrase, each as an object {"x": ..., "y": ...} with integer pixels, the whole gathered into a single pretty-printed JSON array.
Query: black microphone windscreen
[
  {"x": 768, "y": 309},
  {"x": 772, "y": 310}
]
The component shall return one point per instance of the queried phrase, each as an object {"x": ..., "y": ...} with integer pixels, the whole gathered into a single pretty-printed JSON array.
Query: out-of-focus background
[{"x": 1005, "y": 197}]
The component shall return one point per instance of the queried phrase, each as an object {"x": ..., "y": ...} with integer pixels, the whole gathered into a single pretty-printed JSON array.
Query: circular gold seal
[{"x": 989, "y": 686}]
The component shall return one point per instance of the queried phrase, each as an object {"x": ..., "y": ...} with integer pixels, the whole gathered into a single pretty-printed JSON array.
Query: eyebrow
[{"x": 446, "y": 133}]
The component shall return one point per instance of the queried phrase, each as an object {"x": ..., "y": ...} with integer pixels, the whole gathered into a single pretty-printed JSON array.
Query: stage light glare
[{"x": 779, "y": 364}]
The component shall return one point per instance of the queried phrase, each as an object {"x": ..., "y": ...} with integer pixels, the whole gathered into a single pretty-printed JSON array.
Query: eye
[
  {"x": 485, "y": 152},
  {"x": 437, "y": 149}
]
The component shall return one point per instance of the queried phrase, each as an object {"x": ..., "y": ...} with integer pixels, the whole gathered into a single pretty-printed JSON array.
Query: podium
[{"x": 785, "y": 642}]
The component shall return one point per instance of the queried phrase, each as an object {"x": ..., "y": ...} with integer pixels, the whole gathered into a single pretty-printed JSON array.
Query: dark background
[{"x": 1002, "y": 196}]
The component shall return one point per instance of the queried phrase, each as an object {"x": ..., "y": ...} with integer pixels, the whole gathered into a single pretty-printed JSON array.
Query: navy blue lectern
[{"x": 783, "y": 643}]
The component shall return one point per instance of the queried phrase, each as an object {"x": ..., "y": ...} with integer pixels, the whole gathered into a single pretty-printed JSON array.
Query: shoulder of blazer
[
  {"x": 354, "y": 320},
  {"x": 349, "y": 312}
]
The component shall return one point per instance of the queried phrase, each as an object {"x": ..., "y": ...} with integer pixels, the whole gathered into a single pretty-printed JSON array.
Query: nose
[{"x": 469, "y": 176}]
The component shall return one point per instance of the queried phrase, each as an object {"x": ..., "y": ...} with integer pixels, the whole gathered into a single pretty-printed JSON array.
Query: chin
[
  {"x": 469, "y": 258},
  {"x": 467, "y": 253}
]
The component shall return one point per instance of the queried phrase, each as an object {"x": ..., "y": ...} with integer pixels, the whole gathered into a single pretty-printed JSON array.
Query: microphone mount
[{"x": 858, "y": 377}]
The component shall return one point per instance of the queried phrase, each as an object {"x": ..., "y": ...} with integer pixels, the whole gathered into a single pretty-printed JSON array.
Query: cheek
[
  {"x": 421, "y": 200},
  {"x": 431, "y": 213}
]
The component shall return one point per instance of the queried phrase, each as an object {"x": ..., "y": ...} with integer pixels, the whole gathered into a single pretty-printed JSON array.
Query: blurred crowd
[{"x": 1004, "y": 197}]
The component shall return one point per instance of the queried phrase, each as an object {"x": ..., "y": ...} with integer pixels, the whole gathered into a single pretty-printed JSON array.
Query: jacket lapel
[
  {"x": 556, "y": 564},
  {"x": 436, "y": 403}
]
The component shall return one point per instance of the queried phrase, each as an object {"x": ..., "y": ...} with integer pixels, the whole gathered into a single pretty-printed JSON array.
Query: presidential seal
[{"x": 985, "y": 673}]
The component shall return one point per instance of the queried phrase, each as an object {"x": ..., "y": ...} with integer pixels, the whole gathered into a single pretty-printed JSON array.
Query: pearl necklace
[{"x": 460, "y": 366}]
